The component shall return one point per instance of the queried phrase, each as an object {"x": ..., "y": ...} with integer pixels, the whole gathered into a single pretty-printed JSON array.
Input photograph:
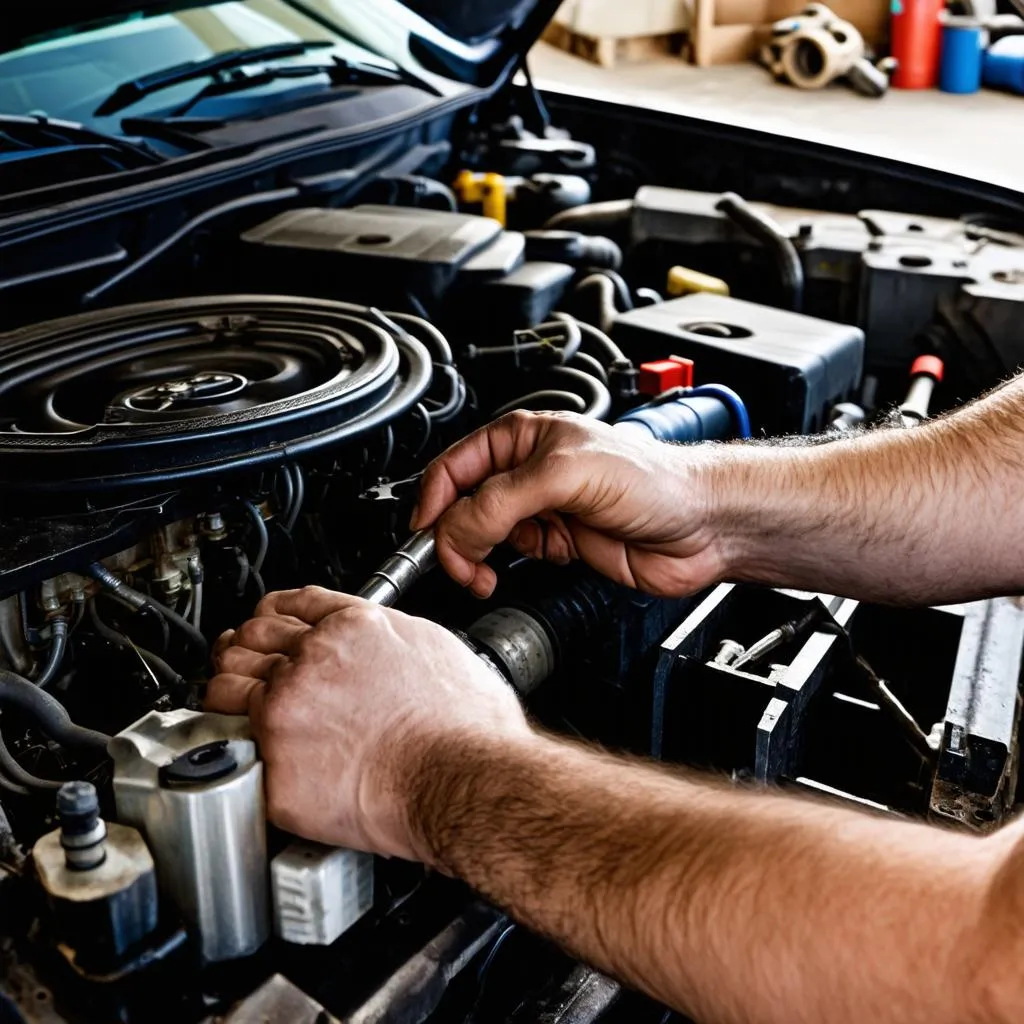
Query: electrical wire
[
  {"x": 263, "y": 537},
  {"x": 299, "y": 481},
  {"x": 483, "y": 972},
  {"x": 156, "y": 665},
  {"x": 287, "y": 485},
  {"x": 423, "y": 413},
  {"x": 163, "y": 626},
  {"x": 534, "y": 340},
  {"x": 231, "y": 206},
  {"x": 137, "y": 600},
  {"x": 389, "y": 450}
]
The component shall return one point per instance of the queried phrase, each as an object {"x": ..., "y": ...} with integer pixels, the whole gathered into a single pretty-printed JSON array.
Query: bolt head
[{"x": 77, "y": 798}]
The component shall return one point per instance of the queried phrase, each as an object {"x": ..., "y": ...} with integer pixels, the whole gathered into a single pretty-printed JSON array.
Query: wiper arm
[
  {"x": 340, "y": 72},
  {"x": 128, "y": 93}
]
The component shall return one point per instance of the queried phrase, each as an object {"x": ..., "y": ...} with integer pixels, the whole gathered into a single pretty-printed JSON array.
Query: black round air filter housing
[{"x": 168, "y": 392}]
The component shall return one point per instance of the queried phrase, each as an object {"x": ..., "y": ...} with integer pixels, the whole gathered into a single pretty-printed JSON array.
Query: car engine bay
[{"x": 249, "y": 407}]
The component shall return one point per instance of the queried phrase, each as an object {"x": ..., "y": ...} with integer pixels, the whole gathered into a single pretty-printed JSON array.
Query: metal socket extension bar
[{"x": 416, "y": 557}]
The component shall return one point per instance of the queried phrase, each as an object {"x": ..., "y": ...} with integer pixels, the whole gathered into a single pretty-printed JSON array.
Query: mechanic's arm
[
  {"x": 386, "y": 733},
  {"x": 929, "y": 515}
]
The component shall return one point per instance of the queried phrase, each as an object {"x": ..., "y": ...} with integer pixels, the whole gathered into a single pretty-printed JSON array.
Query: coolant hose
[
  {"x": 760, "y": 226},
  {"x": 49, "y": 714}
]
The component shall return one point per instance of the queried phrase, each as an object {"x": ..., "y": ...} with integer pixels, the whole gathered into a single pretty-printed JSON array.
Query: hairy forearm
[
  {"x": 928, "y": 515},
  {"x": 729, "y": 905}
]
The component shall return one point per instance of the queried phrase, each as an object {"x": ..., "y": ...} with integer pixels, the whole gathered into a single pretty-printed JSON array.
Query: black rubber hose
[
  {"x": 597, "y": 398},
  {"x": 602, "y": 346},
  {"x": 58, "y": 647},
  {"x": 594, "y": 218},
  {"x": 760, "y": 226},
  {"x": 457, "y": 398},
  {"x": 590, "y": 365},
  {"x": 13, "y": 772},
  {"x": 15, "y": 788},
  {"x": 287, "y": 497},
  {"x": 136, "y": 599},
  {"x": 425, "y": 332},
  {"x": 573, "y": 335},
  {"x": 299, "y": 480},
  {"x": 607, "y": 299},
  {"x": 542, "y": 400},
  {"x": 49, "y": 714},
  {"x": 156, "y": 664}
]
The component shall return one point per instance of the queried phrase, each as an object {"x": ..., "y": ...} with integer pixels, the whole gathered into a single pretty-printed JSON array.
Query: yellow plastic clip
[
  {"x": 684, "y": 281},
  {"x": 489, "y": 190}
]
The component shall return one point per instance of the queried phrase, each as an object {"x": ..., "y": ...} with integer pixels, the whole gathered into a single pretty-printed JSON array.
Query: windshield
[{"x": 69, "y": 75}]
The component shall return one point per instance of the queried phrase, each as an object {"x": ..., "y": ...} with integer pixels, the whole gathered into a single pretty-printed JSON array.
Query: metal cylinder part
[
  {"x": 520, "y": 645},
  {"x": 83, "y": 832},
  {"x": 416, "y": 557},
  {"x": 192, "y": 784},
  {"x": 103, "y": 911}
]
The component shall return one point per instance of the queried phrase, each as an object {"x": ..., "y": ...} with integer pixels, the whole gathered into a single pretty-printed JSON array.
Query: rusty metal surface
[
  {"x": 276, "y": 1001},
  {"x": 979, "y": 756}
]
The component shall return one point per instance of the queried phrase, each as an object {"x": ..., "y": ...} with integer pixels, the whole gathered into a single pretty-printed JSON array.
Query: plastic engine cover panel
[{"x": 412, "y": 247}]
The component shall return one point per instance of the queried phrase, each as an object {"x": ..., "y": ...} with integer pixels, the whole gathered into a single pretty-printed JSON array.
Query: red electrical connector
[{"x": 665, "y": 374}]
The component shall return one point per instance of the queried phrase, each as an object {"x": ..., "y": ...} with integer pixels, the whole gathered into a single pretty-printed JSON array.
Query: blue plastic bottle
[{"x": 962, "y": 51}]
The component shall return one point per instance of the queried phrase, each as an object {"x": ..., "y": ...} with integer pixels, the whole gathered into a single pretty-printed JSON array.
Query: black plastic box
[{"x": 789, "y": 369}]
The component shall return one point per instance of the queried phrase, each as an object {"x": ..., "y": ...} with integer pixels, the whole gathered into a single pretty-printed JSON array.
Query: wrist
[
  {"x": 761, "y": 502},
  {"x": 450, "y": 785}
]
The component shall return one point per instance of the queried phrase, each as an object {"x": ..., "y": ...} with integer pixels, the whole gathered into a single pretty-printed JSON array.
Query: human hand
[
  {"x": 637, "y": 511},
  {"x": 346, "y": 698}
]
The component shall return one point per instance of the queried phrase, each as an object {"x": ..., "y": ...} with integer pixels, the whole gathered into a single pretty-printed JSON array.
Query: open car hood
[{"x": 472, "y": 41}]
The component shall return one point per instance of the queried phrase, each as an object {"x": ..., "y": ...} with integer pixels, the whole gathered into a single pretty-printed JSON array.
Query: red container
[{"x": 916, "y": 42}]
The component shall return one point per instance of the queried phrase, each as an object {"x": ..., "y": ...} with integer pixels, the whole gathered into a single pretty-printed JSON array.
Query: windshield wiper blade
[
  {"x": 131, "y": 92},
  {"x": 340, "y": 72}
]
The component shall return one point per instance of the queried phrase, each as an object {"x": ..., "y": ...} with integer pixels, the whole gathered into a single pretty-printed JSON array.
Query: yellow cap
[{"x": 684, "y": 281}]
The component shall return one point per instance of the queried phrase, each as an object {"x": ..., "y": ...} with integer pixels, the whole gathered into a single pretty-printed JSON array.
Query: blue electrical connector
[
  {"x": 706, "y": 413},
  {"x": 727, "y": 397}
]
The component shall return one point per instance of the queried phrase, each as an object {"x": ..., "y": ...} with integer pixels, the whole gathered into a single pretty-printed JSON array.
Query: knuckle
[
  {"x": 519, "y": 419},
  {"x": 280, "y": 804},
  {"x": 251, "y": 633},
  {"x": 491, "y": 499},
  {"x": 230, "y": 659},
  {"x": 267, "y": 605}
]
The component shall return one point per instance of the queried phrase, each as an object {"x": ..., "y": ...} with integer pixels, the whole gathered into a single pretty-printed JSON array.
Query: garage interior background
[{"x": 705, "y": 58}]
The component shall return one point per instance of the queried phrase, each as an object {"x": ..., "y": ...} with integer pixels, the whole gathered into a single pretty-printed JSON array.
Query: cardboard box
[
  {"x": 603, "y": 19},
  {"x": 726, "y": 31}
]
